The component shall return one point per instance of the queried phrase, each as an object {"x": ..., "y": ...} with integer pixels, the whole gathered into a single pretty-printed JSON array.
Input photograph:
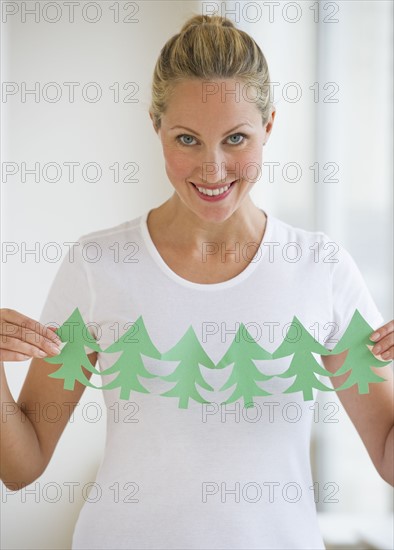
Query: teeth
[{"x": 213, "y": 192}]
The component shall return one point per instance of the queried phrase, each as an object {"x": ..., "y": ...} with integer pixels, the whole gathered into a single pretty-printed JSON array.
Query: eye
[
  {"x": 184, "y": 135},
  {"x": 189, "y": 137},
  {"x": 239, "y": 134}
]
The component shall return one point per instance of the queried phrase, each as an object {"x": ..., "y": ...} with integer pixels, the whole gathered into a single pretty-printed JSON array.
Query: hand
[
  {"x": 384, "y": 343},
  {"x": 22, "y": 337}
]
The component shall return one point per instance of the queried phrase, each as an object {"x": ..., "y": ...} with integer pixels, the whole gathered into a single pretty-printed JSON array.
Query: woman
[{"x": 186, "y": 471}]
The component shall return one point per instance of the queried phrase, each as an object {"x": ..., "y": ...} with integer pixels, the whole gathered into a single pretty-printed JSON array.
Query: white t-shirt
[{"x": 206, "y": 475}]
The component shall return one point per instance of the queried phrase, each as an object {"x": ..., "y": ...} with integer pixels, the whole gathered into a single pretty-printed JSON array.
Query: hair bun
[{"x": 198, "y": 20}]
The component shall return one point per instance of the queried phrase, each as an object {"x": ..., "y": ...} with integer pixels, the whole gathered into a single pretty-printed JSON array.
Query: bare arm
[
  {"x": 28, "y": 433},
  {"x": 28, "y": 436},
  {"x": 372, "y": 414}
]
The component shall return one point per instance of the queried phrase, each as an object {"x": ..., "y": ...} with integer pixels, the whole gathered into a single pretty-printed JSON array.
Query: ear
[
  {"x": 269, "y": 125},
  {"x": 154, "y": 126}
]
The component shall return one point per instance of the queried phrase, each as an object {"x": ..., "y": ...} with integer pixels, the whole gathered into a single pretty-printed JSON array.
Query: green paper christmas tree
[
  {"x": 130, "y": 365},
  {"x": 359, "y": 359},
  {"x": 187, "y": 374},
  {"x": 241, "y": 352},
  {"x": 303, "y": 365},
  {"x": 73, "y": 356}
]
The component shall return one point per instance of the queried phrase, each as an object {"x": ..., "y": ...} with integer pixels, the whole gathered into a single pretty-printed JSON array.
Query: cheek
[
  {"x": 249, "y": 165},
  {"x": 177, "y": 163}
]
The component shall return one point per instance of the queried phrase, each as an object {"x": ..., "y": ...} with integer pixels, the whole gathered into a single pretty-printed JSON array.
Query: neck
[{"x": 185, "y": 229}]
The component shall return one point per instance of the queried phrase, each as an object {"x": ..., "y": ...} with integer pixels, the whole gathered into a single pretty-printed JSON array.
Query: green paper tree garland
[
  {"x": 241, "y": 354},
  {"x": 73, "y": 355},
  {"x": 303, "y": 365},
  {"x": 187, "y": 374},
  {"x": 129, "y": 365}
]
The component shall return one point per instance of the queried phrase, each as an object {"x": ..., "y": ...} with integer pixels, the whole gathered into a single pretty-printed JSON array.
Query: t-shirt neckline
[{"x": 154, "y": 253}]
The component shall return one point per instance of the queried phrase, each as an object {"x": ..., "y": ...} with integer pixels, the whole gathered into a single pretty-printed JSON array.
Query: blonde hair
[{"x": 210, "y": 47}]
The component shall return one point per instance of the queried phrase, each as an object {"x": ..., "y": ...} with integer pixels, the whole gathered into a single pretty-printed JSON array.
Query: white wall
[{"x": 355, "y": 133}]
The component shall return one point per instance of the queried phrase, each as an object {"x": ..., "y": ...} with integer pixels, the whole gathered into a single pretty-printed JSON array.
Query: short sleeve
[
  {"x": 349, "y": 292},
  {"x": 70, "y": 289}
]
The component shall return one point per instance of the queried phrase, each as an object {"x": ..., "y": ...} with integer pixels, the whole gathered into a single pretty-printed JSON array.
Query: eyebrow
[{"x": 229, "y": 131}]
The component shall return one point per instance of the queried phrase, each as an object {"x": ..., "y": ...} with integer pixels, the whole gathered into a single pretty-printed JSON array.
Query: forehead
[{"x": 199, "y": 98}]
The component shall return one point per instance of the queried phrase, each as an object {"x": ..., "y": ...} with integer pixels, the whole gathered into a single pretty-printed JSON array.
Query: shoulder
[
  {"x": 105, "y": 246},
  {"x": 314, "y": 246},
  {"x": 121, "y": 232},
  {"x": 288, "y": 233}
]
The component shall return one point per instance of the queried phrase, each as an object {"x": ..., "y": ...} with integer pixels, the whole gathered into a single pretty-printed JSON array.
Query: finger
[
  {"x": 26, "y": 343},
  {"x": 8, "y": 328},
  {"x": 382, "y": 331},
  {"x": 26, "y": 330},
  {"x": 25, "y": 322},
  {"x": 19, "y": 346},
  {"x": 384, "y": 344},
  {"x": 388, "y": 354}
]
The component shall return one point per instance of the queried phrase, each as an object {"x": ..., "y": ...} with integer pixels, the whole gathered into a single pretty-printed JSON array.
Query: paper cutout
[
  {"x": 130, "y": 365},
  {"x": 190, "y": 354},
  {"x": 359, "y": 358},
  {"x": 72, "y": 356},
  {"x": 241, "y": 355},
  {"x": 303, "y": 365}
]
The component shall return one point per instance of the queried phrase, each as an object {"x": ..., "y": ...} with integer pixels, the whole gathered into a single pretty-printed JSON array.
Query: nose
[{"x": 214, "y": 168}]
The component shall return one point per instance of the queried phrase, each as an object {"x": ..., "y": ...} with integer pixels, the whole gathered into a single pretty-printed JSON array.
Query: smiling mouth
[{"x": 214, "y": 192}]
